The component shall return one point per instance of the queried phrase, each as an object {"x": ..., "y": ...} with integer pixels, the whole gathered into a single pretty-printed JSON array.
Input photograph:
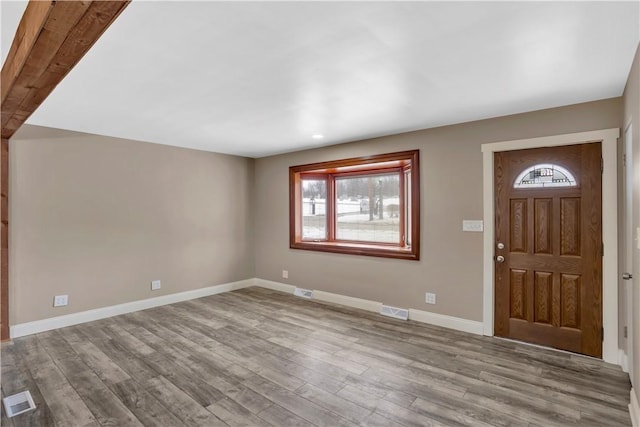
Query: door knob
[
  {"x": 500, "y": 258},
  {"x": 627, "y": 276},
  {"x": 500, "y": 245}
]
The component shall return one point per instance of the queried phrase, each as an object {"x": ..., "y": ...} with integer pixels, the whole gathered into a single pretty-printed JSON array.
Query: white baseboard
[
  {"x": 274, "y": 286},
  {"x": 450, "y": 322},
  {"x": 623, "y": 360},
  {"x": 457, "y": 323},
  {"x": 634, "y": 408},
  {"x": 43, "y": 325},
  {"x": 37, "y": 326},
  {"x": 363, "y": 304}
]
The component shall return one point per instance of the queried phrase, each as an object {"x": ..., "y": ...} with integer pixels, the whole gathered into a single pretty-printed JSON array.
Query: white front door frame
[
  {"x": 627, "y": 285},
  {"x": 609, "y": 140}
]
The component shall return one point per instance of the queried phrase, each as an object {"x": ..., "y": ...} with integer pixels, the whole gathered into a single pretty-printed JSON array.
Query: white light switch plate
[
  {"x": 155, "y": 285},
  {"x": 285, "y": 274},
  {"x": 473, "y": 225}
]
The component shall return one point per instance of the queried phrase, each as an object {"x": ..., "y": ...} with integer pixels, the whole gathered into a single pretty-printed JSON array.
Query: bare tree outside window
[{"x": 368, "y": 208}]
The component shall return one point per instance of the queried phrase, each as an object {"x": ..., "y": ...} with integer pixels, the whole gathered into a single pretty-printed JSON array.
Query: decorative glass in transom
[{"x": 545, "y": 175}]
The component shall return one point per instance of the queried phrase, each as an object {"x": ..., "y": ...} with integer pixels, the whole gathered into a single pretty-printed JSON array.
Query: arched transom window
[{"x": 545, "y": 175}]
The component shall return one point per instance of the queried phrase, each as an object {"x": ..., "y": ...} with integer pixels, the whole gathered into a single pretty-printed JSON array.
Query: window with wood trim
[{"x": 363, "y": 206}]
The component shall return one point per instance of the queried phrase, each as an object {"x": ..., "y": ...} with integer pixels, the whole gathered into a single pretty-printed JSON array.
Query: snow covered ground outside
[
  {"x": 344, "y": 206},
  {"x": 351, "y": 224}
]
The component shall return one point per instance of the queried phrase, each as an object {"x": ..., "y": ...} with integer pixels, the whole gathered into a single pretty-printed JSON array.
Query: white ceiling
[{"x": 259, "y": 78}]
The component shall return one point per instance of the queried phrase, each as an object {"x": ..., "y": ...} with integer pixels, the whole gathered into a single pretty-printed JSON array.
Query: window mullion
[
  {"x": 401, "y": 210},
  {"x": 332, "y": 208}
]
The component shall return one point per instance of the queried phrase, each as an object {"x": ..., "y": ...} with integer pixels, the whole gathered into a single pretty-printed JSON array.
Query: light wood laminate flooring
[{"x": 257, "y": 357}]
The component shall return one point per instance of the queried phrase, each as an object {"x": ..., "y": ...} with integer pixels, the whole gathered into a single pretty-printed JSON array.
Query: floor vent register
[{"x": 18, "y": 404}]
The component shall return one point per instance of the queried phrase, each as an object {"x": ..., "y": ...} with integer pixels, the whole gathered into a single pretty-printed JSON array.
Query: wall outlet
[
  {"x": 155, "y": 285},
  {"x": 285, "y": 274},
  {"x": 430, "y": 298},
  {"x": 60, "y": 300}
]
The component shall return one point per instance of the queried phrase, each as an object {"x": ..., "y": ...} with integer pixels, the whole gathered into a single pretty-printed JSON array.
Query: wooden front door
[{"x": 548, "y": 248}]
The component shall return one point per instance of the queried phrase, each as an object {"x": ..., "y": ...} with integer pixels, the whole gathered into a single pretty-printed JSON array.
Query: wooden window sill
[{"x": 365, "y": 249}]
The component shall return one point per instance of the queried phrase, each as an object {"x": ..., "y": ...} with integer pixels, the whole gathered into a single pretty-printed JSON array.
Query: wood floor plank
[
  {"x": 135, "y": 367},
  {"x": 366, "y": 359},
  {"x": 501, "y": 402},
  {"x": 108, "y": 371},
  {"x": 278, "y": 416},
  {"x": 583, "y": 405},
  {"x": 327, "y": 380},
  {"x": 247, "y": 398},
  {"x": 472, "y": 411},
  {"x": 419, "y": 387},
  {"x": 331, "y": 371},
  {"x": 221, "y": 315},
  {"x": 597, "y": 391},
  {"x": 208, "y": 387},
  {"x": 108, "y": 410},
  {"x": 129, "y": 340},
  {"x": 276, "y": 376},
  {"x": 4, "y": 420},
  {"x": 149, "y": 410},
  {"x": 156, "y": 342},
  {"x": 377, "y": 420},
  {"x": 175, "y": 334},
  {"x": 261, "y": 357},
  {"x": 346, "y": 364},
  {"x": 17, "y": 378},
  {"x": 188, "y": 380},
  {"x": 56, "y": 346},
  {"x": 195, "y": 343},
  {"x": 446, "y": 415},
  {"x": 333, "y": 403},
  {"x": 388, "y": 409},
  {"x": 227, "y": 378},
  {"x": 590, "y": 420},
  {"x": 186, "y": 375},
  {"x": 378, "y": 352},
  {"x": 235, "y": 414},
  {"x": 67, "y": 408},
  {"x": 296, "y": 404},
  {"x": 181, "y": 404},
  {"x": 299, "y": 335},
  {"x": 199, "y": 309}
]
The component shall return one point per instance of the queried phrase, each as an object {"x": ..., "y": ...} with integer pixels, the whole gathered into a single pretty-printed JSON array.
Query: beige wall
[
  {"x": 98, "y": 218},
  {"x": 632, "y": 115},
  {"x": 451, "y": 185}
]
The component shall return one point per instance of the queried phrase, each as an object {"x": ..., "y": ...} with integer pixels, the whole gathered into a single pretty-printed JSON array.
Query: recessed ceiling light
[{"x": 317, "y": 136}]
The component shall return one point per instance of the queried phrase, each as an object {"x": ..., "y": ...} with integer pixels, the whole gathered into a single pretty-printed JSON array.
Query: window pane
[
  {"x": 314, "y": 218},
  {"x": 368, "y": 208}
]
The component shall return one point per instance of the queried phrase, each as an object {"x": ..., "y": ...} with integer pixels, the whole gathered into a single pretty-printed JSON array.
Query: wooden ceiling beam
[{"x": 50, "y": 40}]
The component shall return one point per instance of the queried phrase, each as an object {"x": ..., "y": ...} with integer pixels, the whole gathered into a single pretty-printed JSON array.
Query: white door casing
[{"x": 627, "y": 285}]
